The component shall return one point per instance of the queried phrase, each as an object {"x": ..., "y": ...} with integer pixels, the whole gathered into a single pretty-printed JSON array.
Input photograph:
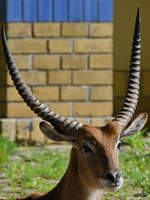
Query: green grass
[
  {"x": 6, "y": 148},
  {"x": 34, "y": 168}
]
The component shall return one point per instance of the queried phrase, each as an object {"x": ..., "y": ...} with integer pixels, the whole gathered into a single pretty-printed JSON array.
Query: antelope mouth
[{"x": 112, "y": 186}]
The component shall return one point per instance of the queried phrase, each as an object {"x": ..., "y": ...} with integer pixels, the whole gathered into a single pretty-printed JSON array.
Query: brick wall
[{"x": 67, "y": 65}]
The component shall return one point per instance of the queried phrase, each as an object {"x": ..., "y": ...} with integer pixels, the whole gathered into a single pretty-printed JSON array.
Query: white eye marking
[{"x": 117, "y": 145}]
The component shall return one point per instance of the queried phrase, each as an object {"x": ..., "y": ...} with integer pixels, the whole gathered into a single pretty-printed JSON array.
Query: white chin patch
[{"x": 112, "y": 187}]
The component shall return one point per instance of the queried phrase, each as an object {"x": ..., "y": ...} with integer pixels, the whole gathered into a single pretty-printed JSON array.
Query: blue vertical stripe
[
  {"x": 105, "y": 10},
  {"x": 90, "y": 10},
  {"x": 56, "y": 10},
  {"x": 3, "y": 11},
  {"x": 60, "y": 10},
  {"x": 75, "y": 10},
  {"x": 14, "y": 11},
  {"x": 44, "y": 10},
  {"x": 29, "y": 10}
]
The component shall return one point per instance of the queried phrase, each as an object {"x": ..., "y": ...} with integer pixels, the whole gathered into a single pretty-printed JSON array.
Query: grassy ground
[{"x": 24, "y": 170}]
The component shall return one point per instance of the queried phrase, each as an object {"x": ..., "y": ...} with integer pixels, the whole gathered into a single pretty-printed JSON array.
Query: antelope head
[{"x": 94, "y": 157}]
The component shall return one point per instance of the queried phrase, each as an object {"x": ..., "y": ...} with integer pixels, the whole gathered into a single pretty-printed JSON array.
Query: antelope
[{"x": 94, "y": 164}]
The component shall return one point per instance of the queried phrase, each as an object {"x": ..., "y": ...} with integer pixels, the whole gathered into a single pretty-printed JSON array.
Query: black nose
[{"x": 114, "y": 177}]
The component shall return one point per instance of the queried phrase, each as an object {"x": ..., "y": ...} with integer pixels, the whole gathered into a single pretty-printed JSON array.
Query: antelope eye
[
  {"x": 119, "y": 145},
  {"x": 86, "y": 149}
]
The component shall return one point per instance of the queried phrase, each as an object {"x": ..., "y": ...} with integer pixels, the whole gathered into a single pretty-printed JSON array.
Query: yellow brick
[
  {"x": 101, "y": 61},
  {"x": 82, "y": 120},
  {"x": 22, "y": 62},
  {"x": 74, "y": 62},
  {"x": 93, "y": 45},
  {"x": 59, "y": 77},
  {"x": 64, "y": 109},
  {"x": 46, "y": 93},
  {"x": 60, "y": 46},
  {"x": 46, "y": 62},
  {"x": 74, "y": 29},
  {"x": 9, "y": 94},
  {"x": 23, "y": 129},
  {"x": 8, "y": 128},
  {"x": 93, "y": 109},
  {"x": 19, "y": 46},
  {"x": 18, "y": 110},
  {"x": 46, "y": 29},
  {"x": 9, "y": 80},
  {"x": 97, "y": 122},
  {"x": 36, "y": 134},
  {"x": 30, "y": 78},
  {"x": 120, "y": 83},
  {"x": 102, "y": 93},
  {"x": 34, "y": 78},
  {"x": 146, "y": 79},
  {"x": 19, "y": 30},
  {"x": 73, "y": 93},
  {"x": 92, "y": 77},
  {"x": 101, "y": 29}
]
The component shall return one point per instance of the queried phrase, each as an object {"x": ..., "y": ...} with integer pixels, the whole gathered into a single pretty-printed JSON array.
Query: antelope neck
[
  {"x": 95, "y": 195},
  {"x": 71, "y": 187}
]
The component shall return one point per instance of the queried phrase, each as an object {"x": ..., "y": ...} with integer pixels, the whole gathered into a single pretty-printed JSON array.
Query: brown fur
[
  {"x": 81, "y": 175},
  {"x": 86, "y": 177},
  {"x": 86, "y": 174}
]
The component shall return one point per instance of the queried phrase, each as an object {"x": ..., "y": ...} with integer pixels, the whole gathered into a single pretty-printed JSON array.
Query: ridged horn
[
  {"x": 61, "y": 124},
  {"x": 132, "y": 94}
]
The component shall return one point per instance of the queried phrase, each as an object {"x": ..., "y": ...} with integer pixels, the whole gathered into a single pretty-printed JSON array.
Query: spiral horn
[
  {"x": 132, "y": 94},
  {"x": 61, "y": 124}
]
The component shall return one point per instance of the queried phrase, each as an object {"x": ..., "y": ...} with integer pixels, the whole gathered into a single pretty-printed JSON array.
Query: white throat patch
[{"x": 93, "y": 195}]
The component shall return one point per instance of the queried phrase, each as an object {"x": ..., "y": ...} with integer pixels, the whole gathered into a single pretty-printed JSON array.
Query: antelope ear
[
  {"x": 136, "y": 125},
  {"x": 51, "y": 133}
]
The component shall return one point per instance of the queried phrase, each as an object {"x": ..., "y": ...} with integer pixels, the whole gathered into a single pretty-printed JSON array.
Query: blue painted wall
[{"x": 56, "y": 10}]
